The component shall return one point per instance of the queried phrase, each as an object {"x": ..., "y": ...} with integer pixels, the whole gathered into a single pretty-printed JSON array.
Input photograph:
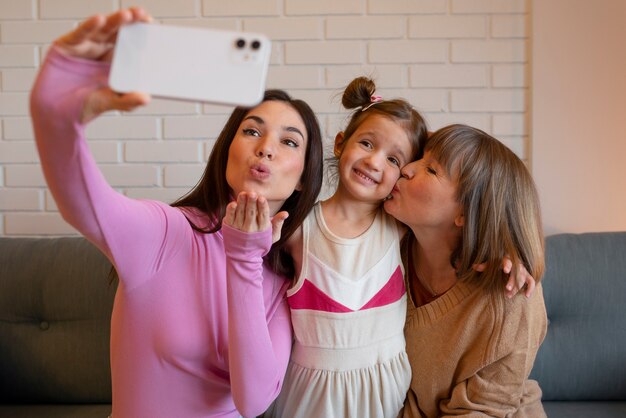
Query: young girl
[
  {"x": 200, "y": 327},
  {"x": 348, "y": 302}
]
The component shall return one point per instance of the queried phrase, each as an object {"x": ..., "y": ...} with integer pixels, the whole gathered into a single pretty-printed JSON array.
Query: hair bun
[{"x": 358, "y": 93}]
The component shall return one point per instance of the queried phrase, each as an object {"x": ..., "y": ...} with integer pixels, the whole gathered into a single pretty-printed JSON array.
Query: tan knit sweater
[{"x": 471, "y": 355}]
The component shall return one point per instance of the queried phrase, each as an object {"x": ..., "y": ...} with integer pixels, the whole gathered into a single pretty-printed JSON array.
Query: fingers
[
  {"x": 520, "y": 278},
  {"x": 246, "y": 211},
  {"x": 520, "y": 275},
  {"x": 263, "y": 214},
  {"x": 277, "y": 225},
  {"x": 479, "y": 267},
  {"x": 140, "y": 15},
  {"x": 95, "y": 37},
  {"x": 83, "y": 31},
  {"x": 507, "y": 264},
  {"x": 250, "y": 213},
  {"x": 511, "y": 289},
  {"x": 229, "y": 218},
  {"x": 105, "y": 99},
  {"x": 112, "y": 25},
  {"x": 530, "y": 287},
  {"x": 135, "y": 14}
]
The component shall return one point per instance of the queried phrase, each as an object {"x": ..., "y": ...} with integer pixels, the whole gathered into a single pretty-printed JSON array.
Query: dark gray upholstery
[
  {"x": 583, "y": 357},
  {"x": 55, "y": 310},
  {"x": 56, "y": 301}
]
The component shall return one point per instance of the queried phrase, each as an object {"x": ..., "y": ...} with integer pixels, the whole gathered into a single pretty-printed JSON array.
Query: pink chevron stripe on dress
[{"x": 311, "y": 297}]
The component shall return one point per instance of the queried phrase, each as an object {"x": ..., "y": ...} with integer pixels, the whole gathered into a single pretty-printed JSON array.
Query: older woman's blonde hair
[{"x": 499, "y": 201}]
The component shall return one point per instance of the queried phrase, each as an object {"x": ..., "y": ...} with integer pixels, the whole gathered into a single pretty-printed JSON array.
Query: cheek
[
  {"x": 290, "y": 176},
  {"x": 234, "y": 166},
  {"x": 297, "y": 170}
]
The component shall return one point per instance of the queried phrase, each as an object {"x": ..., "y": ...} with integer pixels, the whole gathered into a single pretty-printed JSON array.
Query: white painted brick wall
[
  {"x": 407, "y": 51},
  {"x": 509, "y": 75},
  {"x": 290, "y": 28},
  {"x": 445, "y": 75},
  {"x": 489, "y": 51},
  {"x": 239, "y": 7},
  {"x": 23, "y": 175},
  {"x": 324, "y": 7},
  {"x": 64, "y": 9},
  {"x": 324, "y": 52},
  {"x": 407, "y": 7},
  {"x": 17, "y": 128},
  {"x": 489, "y": 6},
  {"x": 509, "y": 26},
  {"x": 443, "y": 26},
  {"x": 13, "y": 104},
  {"x": 457, "y": 61},
  {"x": 177, "y": 127},
  {"x": 365, "y": 27},
  {"x": 17, "y": 56},
  {"x": 33, "y": 32},
  {"x": 12, "y": 9}
]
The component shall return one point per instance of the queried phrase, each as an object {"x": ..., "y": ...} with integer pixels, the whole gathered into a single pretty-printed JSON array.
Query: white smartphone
[{"x": 205, "y": 65}]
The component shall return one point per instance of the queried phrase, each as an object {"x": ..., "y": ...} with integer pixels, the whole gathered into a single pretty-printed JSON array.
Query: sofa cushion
[
  {"x": 55, "y": 411},
  {"x": 584, "y": 354},
  {"x": 55, "y": 309},
  {"x": 572, "y": 409}
]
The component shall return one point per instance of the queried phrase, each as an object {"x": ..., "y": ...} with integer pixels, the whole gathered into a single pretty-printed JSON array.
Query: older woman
[{"x": 468, "y": 201}]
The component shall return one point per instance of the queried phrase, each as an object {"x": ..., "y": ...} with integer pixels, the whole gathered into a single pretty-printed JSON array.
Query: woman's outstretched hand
[
  {"x": 94, "y": 39},
  {"x": 251, "y": 213}
]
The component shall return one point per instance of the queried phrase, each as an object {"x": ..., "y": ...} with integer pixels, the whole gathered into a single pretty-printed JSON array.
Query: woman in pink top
[{"x": 200, "y": 326}]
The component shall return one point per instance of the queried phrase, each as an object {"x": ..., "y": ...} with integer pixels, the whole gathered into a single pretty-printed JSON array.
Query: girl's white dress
[{"x": 348, "y": 309}]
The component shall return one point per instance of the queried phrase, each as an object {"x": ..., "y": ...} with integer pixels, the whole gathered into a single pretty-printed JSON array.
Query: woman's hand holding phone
[{"x": 94, "y": 39}]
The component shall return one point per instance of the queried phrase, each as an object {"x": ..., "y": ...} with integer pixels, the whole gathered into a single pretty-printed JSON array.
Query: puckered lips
[
  {"x": 260, "y": 171},
  {"x": 394, "y": 191}
]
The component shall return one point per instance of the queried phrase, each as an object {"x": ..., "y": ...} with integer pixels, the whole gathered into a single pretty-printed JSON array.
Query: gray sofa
[
  {"x": 56, "y": 298},
  {"x": 55, "y": 309},
  {"x": 581, "y": 366}
]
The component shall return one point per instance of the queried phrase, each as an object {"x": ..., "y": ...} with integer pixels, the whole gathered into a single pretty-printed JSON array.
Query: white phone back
[{"x": 190, "y": 64}]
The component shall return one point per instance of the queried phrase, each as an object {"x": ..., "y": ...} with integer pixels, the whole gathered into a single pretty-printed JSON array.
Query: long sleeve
[
  {"x": 126, "y": 230},
  {"x": 259, "y": 335},
  {"x": 497, "y": 390},
  {"x": 471, "y": 355}
]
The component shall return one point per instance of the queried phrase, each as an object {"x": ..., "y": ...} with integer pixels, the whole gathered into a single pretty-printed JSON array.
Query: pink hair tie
[{"x": 373, "y": 101}]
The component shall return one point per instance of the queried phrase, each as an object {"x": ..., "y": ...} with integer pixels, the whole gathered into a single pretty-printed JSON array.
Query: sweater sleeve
[
  {"x": 259, "y": 324},
  {"x": 500, "y": 388},
  {"x": 130, "y": 232}
]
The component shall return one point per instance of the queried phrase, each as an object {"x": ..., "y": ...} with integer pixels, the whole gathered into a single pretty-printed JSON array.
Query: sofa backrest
[
  {"x": 55, "y": 310},
  {"x": 584, "y": 354}
]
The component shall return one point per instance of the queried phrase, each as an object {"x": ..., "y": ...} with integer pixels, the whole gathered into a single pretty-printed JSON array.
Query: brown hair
[
  {"x": 359, "y": 95},
  {"x": 212, "y": 193},
  {"x": 499, "y": 201}
]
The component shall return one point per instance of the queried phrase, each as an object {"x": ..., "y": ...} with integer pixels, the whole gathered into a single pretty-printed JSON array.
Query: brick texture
[{"x": 457, "y": 61}]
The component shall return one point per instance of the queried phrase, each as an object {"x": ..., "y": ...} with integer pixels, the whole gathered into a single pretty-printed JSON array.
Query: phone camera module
[
  {"x": 240, "y": 43},
  {"x": 256, "y": 44}
]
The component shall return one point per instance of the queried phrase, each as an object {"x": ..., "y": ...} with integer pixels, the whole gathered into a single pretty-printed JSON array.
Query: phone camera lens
[
  {"x": 240, "y": 43},
  {"x": 256, "y": 44}
]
